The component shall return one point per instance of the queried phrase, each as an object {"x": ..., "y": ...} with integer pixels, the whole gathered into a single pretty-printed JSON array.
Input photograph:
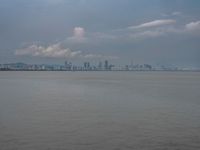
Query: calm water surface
[{"x": 99, "y": 111}]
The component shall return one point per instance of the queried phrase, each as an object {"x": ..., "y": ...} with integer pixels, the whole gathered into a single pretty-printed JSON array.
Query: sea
[{"x": 99, "y": 110}]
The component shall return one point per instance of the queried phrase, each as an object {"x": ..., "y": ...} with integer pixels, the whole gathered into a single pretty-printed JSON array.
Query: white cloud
[
  {"x": 154, "y": 33},
  {"x": 155, "y": 23},
  {"x": 79, "y": 32},
  {"x": 78, "y": 35},
  {"x": 52, "y": 51},
  {"x": 93, "y": 56},
  {"x": 176, "y": 13},
  {"x": 165, "y": 15},
  {"x": 100, "y": 35},
  {"x": 56, "y": 51},
  {"x": 193, "y": 26},
  {"x": 147, "y": 34}
]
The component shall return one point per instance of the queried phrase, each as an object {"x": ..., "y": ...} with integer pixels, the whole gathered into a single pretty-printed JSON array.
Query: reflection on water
[{"x": 99, "y": 110}]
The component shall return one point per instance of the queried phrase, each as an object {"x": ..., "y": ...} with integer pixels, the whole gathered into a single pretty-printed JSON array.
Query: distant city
[{"x": 87, "y": 66}]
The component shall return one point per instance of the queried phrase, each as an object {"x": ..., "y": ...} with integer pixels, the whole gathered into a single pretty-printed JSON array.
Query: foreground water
[{"x": 99, "y": 110}]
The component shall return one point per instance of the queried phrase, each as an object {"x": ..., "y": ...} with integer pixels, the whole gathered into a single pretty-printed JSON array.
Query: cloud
[
  {"x": 93, "y": 56},
  {"x": 176, "y": 13},
  {"x": 147, "y": 34},
  {"x": 52, "y": 51},
  {"x": 155, "y": 23},
  {"x": 78, "y": 35},
  {"x": 57, "y": 51},
  {"x": 193, "y": 26},
  {"x": 107, "y": 36},
  {"x": 79, "y": 32},
  {"x": 156, "y": 32}
]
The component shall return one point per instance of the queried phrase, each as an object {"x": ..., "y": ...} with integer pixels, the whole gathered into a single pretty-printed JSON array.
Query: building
[
  {"x": 68, "y": 66},
  {"x": 106, "y": 66},
  {"x": 86, "y": 66}
]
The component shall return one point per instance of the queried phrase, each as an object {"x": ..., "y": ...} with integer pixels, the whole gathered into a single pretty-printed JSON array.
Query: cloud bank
[
  {"x": 57, "y": 51},
  {"x": 52, "y": 51},
  {"x": 151, "y": 29},
  {"x": 154, "y": 23},
  {"x": 193, "y": 26},
  {"x": 160, "y": 28}
]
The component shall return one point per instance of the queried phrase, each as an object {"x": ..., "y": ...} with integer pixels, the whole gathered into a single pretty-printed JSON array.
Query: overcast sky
[{"x": 143, "y": 31}]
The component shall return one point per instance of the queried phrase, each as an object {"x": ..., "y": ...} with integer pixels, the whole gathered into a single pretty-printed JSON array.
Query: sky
[{"x": 158, "y": 32}]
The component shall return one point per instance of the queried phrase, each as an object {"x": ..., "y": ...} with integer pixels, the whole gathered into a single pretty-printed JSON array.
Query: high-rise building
[
  {"x": 106, "y": 66},
  {"x": 68, "y": 66},
  {"x": 86, "y": 65}
]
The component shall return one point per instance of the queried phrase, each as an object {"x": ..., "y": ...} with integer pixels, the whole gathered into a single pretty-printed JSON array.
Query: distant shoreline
[{"x": 99, "y": 70}]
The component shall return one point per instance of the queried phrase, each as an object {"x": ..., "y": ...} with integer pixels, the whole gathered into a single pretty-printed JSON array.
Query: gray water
[{"x": 99, "y": 111}]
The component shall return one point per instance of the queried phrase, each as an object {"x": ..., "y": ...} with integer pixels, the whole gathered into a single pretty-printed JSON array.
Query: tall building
[
  {"x": 68, "y": 66},
  {"x": 106, "y": 66},
  {"x": 86, "y": 65}
]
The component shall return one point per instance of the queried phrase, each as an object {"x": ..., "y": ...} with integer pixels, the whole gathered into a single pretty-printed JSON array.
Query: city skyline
[
  {"x": 154, "y": 32},
  {"x": 69, "y": 66},
  {"x": 88, "y": 66}
]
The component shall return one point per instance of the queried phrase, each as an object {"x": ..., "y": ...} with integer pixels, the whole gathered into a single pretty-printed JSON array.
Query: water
[{"x": 99, "y": 111}]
